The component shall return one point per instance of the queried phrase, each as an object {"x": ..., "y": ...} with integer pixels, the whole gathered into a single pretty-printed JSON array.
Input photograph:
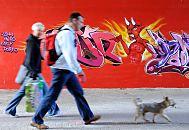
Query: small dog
[{"x": 155, "y": 108}]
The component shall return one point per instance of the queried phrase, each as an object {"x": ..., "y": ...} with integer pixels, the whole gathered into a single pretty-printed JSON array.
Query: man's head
[
  {"x": 76, "y": 21},
  {"x": 38, "y": 29}
]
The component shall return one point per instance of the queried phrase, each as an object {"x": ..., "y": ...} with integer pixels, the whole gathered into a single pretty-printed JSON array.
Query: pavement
[{"x": 114, "y": 105}]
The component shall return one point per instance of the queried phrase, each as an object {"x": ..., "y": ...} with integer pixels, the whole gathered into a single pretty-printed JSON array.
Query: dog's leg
[
  {"x": 143, "y": 115},
  {"x": 165, "y": 117},
  {"x": 153, "y": 120},
  {"x": 137, "y": 115}
]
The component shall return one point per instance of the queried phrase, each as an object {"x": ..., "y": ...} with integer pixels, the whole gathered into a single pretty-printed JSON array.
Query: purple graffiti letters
[
  {"x": 8, "y": 42},
  {"x": 169, "y": 56}
]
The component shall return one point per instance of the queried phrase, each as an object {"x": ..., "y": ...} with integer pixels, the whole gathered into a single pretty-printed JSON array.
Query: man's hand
[
  {"x": 33, "y": 75},
  {"x": 82, "y": 76}
]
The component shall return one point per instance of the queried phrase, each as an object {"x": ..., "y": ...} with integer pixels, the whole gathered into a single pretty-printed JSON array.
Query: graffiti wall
[{"x": 124, "y": 44}]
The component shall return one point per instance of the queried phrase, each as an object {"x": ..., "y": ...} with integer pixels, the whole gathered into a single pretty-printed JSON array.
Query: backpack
[{"x": 50, "y": 54}]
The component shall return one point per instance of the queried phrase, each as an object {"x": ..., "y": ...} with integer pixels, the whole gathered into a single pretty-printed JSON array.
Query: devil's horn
[
  {"x": 132, "y": 21},
  {"x": 127, "y": 22}
]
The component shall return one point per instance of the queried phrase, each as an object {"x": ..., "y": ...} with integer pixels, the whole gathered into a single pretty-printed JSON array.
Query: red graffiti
[{"x": 96, "y": 46}]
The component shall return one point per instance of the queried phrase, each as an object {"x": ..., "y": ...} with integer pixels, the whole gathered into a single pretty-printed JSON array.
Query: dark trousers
[{"x": 63, "y": 78}]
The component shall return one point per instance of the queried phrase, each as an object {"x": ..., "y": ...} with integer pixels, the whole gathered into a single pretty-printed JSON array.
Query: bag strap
[
  {"x": 59, "y": 29},
  {"x": 64, "y": 29}
]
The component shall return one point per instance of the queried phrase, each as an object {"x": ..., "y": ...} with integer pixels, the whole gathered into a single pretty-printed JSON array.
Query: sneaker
[
  {"x": 59, "y": 114},
  {"x": 39, "y": 126},
  {"x": 9, "y": 114},
  {"x": 93, "y": 119}
]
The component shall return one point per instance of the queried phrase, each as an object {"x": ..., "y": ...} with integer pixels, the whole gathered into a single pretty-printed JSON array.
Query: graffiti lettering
[
  {"x": 8, "y": 42},
  {"x": 132, "y": 40},
  {"x": 96, "y": 46},
  {"x": 169, "y": 56}
]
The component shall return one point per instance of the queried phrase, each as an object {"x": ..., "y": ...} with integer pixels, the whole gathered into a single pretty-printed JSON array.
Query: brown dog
[{"x": 155, "y": 108}]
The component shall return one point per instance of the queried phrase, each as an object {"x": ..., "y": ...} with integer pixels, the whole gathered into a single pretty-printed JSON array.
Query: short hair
[
  {"x": 74, "y": 15},
  {"x": 38, "y": 26}
]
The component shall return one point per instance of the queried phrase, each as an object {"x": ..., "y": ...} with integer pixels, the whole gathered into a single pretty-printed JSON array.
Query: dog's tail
[{"x": 137, "y": 101}]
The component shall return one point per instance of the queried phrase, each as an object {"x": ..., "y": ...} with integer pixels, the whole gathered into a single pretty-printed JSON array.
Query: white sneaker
[
  {"x": 14, "y": 116},
  {"x": 59, "y": 114}
]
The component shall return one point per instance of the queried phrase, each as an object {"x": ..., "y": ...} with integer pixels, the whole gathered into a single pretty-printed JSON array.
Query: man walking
[
  {"x": 33, "y": 64},
  {"x": 64, "y": 71}
]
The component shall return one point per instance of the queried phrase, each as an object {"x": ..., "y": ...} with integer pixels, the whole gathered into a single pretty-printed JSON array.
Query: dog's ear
[{"x": 166, "y": 98}]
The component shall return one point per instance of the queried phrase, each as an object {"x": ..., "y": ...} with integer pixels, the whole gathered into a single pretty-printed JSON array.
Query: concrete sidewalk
[{"x": 115, "y": 105}]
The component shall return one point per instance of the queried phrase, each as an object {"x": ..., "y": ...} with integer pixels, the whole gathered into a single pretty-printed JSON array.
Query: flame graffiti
[{"x": 21, "y": 46}]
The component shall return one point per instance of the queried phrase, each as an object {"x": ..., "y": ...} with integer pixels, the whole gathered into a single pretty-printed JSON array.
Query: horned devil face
[{"x": 133, "y": 28}]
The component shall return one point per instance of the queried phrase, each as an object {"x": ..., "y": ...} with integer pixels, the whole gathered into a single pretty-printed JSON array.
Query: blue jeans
[
  {"x": 11, "y": 107},
  {"x": 63, "y": 78}
]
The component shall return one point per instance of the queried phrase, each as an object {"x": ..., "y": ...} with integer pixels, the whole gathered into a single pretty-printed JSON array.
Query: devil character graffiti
[
  {"x": 138, "y": 45},
  {"x": 169, "y": 56}
]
